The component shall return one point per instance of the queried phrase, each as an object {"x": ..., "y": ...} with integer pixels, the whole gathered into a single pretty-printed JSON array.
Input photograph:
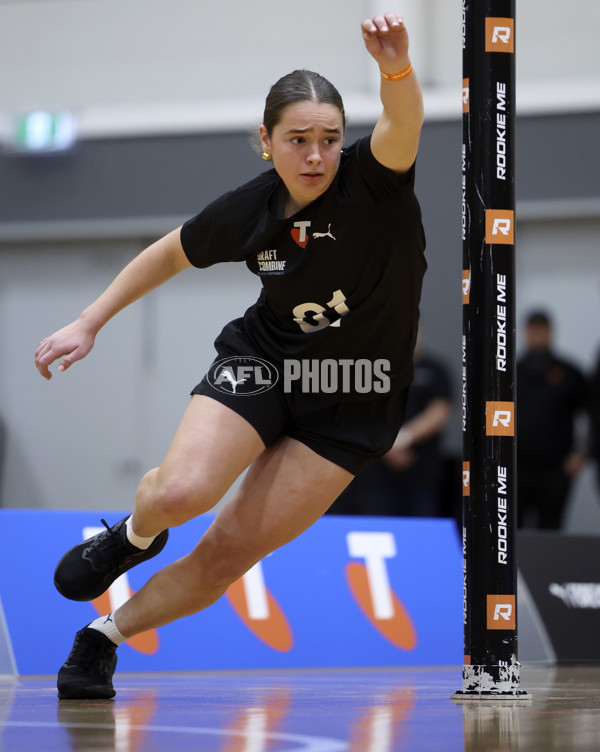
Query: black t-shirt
[
  {"x": 550, "y": 394},
  {"x": 431, "y": 382},
  {"x": 341, "y": 278},
  {"x": 594, "y": 401}
]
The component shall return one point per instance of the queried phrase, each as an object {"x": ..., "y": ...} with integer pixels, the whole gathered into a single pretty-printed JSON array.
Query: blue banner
[{"x": 349, "y": 592}]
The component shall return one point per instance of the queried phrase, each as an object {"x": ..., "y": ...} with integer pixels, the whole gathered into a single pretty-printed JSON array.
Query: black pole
[{"x": 491, "y": 667}]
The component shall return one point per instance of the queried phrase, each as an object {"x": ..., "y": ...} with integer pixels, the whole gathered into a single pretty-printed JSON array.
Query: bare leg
[
  {"x": 284, "y": 492},
  {"x": 211, "y": 447}
]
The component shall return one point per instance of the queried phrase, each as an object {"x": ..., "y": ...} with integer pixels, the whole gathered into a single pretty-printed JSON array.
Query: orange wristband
[{"x": 398, "y": 76}]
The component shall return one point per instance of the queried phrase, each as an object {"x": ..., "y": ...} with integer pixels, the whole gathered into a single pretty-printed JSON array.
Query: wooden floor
[{"x": 394, "y": 710}]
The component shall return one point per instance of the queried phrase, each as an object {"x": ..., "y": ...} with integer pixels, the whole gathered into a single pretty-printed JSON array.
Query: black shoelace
[{"x": 102, "y": 548}]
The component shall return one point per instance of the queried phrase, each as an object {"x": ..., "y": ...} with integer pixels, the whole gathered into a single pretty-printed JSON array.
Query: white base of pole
[{"x": 492, "y": 683}]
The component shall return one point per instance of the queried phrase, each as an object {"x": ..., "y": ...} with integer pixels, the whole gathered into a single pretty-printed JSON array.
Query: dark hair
[
  {"x": 299, "y": 86},
  {"x": 538, "y": 318}
]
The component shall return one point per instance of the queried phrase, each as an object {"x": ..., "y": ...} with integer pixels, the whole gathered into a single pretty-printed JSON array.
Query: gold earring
[{"x": 266, "y": 157}]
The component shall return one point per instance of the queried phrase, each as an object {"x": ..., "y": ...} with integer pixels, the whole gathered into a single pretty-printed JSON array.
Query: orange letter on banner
[
  {"x": 258, "y": 609},
  {"x": 370, "y": 586},
  {"x": 499, "y": 226},
  {"x": 499, "y": 35},
  {"x": 500, "y": 418},
  {"x": 501, "y": 612}
]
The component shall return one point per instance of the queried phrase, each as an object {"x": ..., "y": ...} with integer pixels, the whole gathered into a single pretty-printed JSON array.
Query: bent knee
[{"x": 179, "y": 500}]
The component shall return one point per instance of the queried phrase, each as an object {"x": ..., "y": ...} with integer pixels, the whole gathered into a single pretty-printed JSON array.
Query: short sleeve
[
  {"x": 206, "y": 238},
  {"x": 441, "y": 381},
  {"x": 366, "y": 173},
  {"x": 221, "y": 232}
]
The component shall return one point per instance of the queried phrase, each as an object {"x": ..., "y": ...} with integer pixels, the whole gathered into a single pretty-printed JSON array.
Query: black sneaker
[
  {"x": 89, "y": 569},
  {"x": 87, "y": 672}
]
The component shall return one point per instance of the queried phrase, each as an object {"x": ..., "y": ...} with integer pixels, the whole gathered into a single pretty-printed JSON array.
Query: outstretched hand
[
  {"x": 71, "y": 343},
  {"x": 386, "y": 40}
]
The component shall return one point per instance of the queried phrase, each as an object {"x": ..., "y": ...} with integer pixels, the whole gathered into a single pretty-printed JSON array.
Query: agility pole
[{"x": 491, "y": 667}]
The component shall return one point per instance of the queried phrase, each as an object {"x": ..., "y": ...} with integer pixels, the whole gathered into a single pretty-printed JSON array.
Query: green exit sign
[{"x": 43, "y": 131}]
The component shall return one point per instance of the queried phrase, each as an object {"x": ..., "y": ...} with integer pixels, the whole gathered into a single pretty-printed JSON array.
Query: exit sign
[{"x": 43, "y": 131}]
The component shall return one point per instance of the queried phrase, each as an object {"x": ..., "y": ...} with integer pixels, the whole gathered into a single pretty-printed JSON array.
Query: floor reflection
[
  {"x": 492, "y": 725},
  {"x": 107, "y": 725},
  {"x": 305, "y": 711}
]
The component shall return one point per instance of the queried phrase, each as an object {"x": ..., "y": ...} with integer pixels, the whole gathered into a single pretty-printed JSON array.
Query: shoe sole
[{"x": 78, "y": 692}]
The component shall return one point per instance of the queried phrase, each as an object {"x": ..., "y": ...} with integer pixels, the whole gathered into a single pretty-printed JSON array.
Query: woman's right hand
[{"x": 71, "y": 343}]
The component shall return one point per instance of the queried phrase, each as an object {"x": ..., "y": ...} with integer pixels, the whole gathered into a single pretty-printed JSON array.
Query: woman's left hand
[{"x": 386, "y": 39}]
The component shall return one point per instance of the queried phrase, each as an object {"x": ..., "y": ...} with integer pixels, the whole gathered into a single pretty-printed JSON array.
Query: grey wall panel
[{"x": 557, "y": 158}]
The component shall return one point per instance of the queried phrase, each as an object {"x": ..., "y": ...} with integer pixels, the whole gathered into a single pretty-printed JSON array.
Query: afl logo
[{"x": 242, "y": 375}]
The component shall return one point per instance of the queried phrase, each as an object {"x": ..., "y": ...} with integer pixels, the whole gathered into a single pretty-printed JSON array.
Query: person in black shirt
[
  {"x": 594, "y": 405},
  {"x": 551, "y": 393},
  {"x": 307, "y": 386}
]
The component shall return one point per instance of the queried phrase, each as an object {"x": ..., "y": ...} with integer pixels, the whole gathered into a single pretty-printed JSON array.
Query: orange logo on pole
[
  {"x": 501, "y": 612},
  {"x": 465, "y": 95},
  {"x": 499, "y": 226},
  {"x": 466, "y": 479},
  {"x": 466, "y": 286},
  {"x": 499, "y": 35},
  {"x": 500, "y": 418}
]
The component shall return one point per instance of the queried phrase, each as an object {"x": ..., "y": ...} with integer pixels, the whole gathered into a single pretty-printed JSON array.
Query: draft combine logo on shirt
[
  {"x": 269, "y": 263},
  {"x": 242, "y": 375}
]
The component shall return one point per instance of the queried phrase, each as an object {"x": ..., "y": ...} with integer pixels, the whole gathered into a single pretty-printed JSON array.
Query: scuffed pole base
[{"x": 491, "y": 683}]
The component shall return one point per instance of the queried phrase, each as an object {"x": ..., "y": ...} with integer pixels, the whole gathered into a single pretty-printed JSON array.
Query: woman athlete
[{"x": 335, "y": 235}]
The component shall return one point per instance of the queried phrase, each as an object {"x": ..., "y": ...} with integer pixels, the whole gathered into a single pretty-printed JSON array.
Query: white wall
[
  {"x": 558, "y": 269},
  {"x": 134, "y": 65},
  {"x": 85, "y": 439},
  {"x": 101, "y": 54}
]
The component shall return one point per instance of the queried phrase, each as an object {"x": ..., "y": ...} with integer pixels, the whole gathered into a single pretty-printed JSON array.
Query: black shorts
[{"x": 350, "y": 434}]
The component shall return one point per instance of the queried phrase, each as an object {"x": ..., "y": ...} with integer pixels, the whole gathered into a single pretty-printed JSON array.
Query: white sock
[
  {"x": 137, "y": 540},
  {"x": 106, "y": 625}
]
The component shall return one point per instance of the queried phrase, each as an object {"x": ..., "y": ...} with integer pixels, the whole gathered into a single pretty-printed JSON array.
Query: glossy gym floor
[{"x": 395, "y": 710}]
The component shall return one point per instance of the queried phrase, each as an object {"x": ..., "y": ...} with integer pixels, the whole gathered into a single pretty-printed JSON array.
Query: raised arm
[
  {"x": 153, "y": 266},
  {"x": 395, "y": 138}
]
